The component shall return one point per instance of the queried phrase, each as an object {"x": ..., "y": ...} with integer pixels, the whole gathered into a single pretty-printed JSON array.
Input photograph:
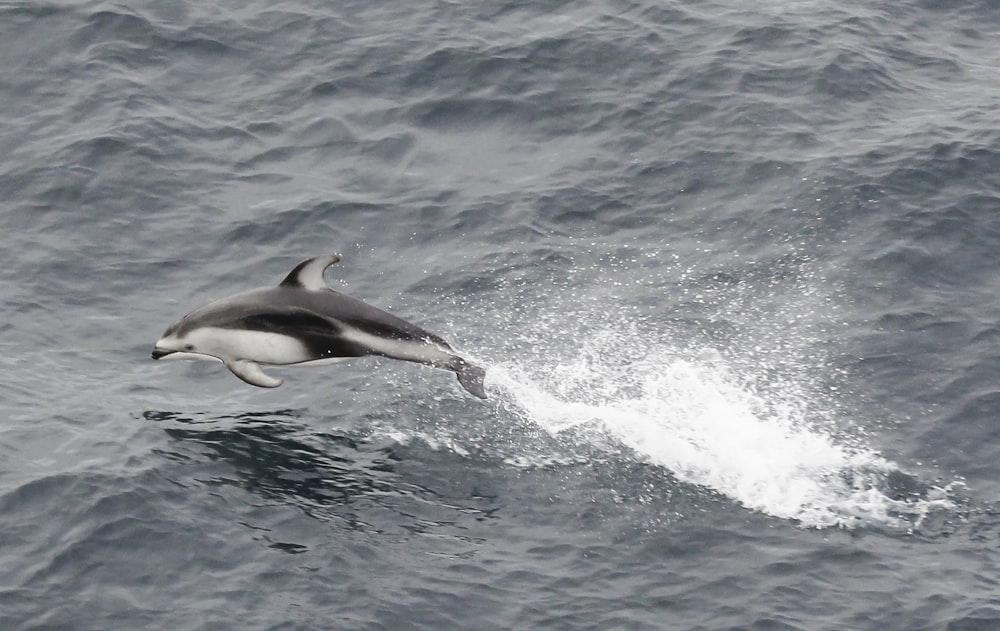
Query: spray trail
[{"x": 697, "y": 418}]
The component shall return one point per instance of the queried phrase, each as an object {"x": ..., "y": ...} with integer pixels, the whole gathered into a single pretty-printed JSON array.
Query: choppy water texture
[{"x": 732, "y": 267}]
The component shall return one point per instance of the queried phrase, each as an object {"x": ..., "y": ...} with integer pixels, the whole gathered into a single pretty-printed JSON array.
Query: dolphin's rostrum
[{"x": 304, "y": 322}]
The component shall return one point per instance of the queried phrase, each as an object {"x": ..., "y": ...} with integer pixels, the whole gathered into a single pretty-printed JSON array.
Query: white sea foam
[{"x": 698, "y": 418}]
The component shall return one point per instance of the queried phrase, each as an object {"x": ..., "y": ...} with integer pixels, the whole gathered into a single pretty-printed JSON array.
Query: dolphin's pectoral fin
[
  {"x": 471, "y": 377},
  {"x": 251, "y": 372}
]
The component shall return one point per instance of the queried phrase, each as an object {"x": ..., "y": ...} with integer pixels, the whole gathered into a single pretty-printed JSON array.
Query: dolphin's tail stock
[{"x": 470, "y": 376}]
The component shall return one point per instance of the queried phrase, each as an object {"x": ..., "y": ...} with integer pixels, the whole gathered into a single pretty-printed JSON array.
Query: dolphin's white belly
[
  {"x": 260, "y": 346},
  {"x": 325, "y": 361}
]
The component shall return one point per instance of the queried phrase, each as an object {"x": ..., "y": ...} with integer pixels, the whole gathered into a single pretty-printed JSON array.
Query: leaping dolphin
[{"x": 304, "y": 322}]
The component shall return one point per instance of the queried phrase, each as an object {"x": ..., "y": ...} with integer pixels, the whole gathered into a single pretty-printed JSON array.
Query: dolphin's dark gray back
[{"x": 243, "y": 309}]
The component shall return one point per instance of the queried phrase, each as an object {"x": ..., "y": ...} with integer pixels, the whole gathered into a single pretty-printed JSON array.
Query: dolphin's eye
[{"x": 189, "y": 347}]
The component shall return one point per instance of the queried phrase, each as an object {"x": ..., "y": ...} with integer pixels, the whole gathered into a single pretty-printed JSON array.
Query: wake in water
[{"x": 699, "y": 419}]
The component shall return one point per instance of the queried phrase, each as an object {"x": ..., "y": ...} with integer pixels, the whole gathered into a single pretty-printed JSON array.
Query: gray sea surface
[{"x": 732, "y": 268}]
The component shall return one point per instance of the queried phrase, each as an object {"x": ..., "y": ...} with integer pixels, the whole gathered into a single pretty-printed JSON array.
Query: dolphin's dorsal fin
[{"x": 309, "y": 274}]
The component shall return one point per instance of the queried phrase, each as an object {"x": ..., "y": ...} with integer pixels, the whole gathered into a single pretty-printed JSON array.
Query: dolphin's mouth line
[{"x": 160, "y": 353}]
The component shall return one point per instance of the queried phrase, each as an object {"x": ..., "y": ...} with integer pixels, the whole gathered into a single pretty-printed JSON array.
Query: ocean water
[{"x": 732, "y": 269}]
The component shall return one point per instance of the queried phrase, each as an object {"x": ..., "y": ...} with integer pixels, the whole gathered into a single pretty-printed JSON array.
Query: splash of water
[{"x": 696, "y": 417}]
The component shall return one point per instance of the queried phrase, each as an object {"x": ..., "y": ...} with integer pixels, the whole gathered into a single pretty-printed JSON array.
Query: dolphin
[{"x": 304, "y": 322}]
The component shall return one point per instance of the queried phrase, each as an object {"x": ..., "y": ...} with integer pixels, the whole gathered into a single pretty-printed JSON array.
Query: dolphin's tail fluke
[{"x": 470, "y": 376}]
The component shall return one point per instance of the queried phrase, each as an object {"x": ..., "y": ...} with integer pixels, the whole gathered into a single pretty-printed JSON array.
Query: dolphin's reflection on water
[{"x": 349, "y": 477}]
